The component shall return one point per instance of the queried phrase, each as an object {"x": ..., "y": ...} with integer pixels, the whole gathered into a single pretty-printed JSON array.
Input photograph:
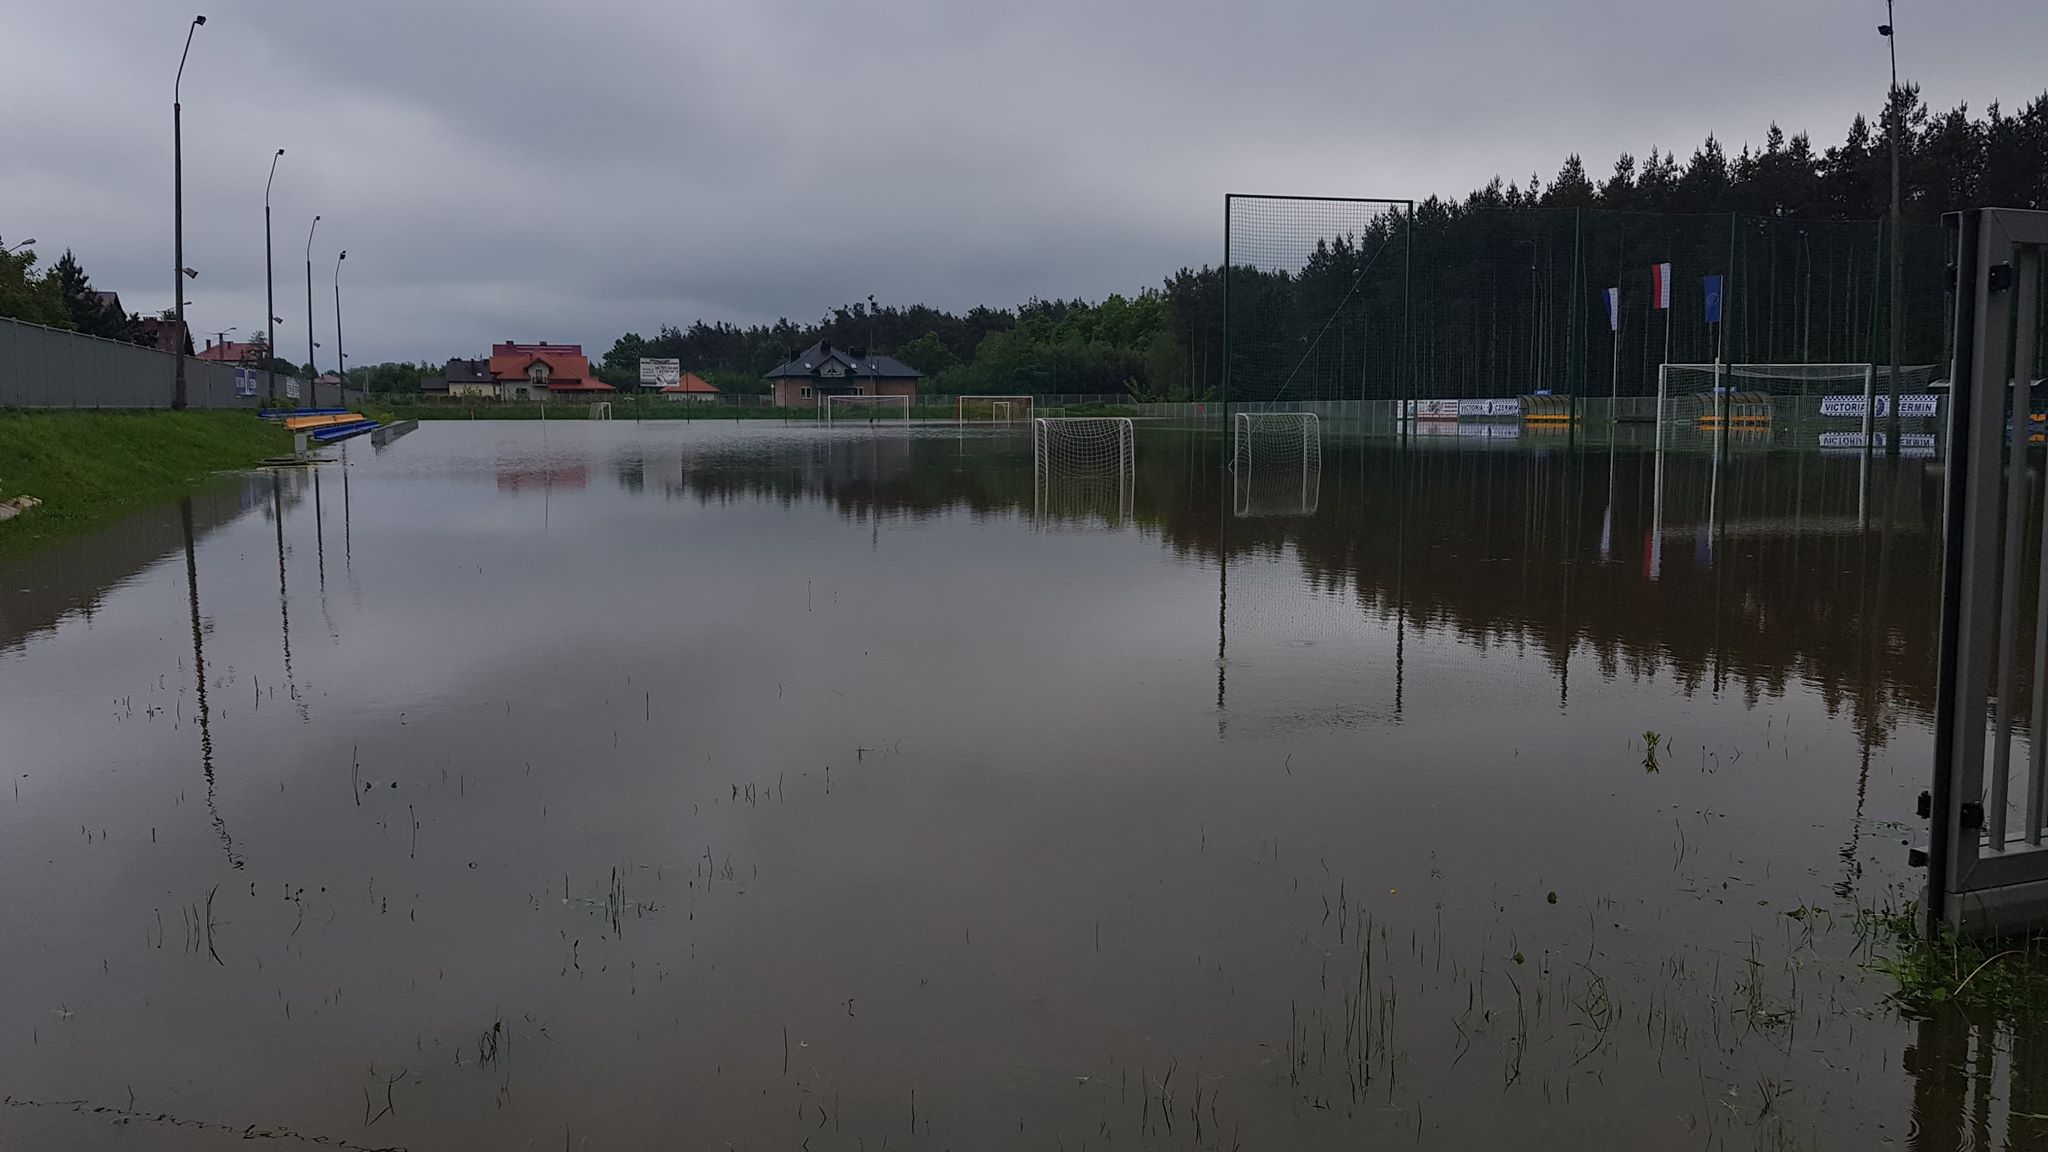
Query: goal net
[
  {"x": 993, "y": 410},
  {"x": 1083, "y": 469},
  {"x": 867, "y": 409},
  {"x": 1828, "y": 395},
  {"x": 1276, "y": 463}
]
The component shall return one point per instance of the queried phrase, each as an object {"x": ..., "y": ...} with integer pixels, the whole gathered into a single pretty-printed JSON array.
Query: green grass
[
  {"x": 2008, "y": 979},
  {"x": 88, "y": 466}
]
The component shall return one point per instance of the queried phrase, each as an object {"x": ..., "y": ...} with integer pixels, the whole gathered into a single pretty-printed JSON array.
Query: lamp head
[
  {"x": 343, "y": 256},
  {"x": 191, "y": 272},
  {"x": 1884, "y": 30},
  {"x": 280, "y": 151},
  {"x": 198, "y": 20}
]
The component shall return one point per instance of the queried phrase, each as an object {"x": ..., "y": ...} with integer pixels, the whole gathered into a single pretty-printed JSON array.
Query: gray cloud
[{"x": 571, "y": 171}]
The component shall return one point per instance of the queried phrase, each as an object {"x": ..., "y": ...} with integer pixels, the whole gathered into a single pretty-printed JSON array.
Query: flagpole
[
  {"x": 1663, "y": 301},
  {"x": 1614, "y": 377}
]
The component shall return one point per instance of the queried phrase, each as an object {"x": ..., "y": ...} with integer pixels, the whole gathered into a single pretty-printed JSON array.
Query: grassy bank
[
  {"x": 88, "y": 466},
  {"x": 940, "y": 408}
]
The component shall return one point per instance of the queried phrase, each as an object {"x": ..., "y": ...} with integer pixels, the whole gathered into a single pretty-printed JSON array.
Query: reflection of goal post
[
  {"x": 1758, "y": 395},
  {"x": 1276, "y": 461},
  {"x": 993, "y": 409},
  {"x": 1083, "y": 467},
  {"x": 867, "y": 409}
]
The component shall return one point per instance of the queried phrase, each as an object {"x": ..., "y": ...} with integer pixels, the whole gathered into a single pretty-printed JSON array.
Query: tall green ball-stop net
[{"x": 1316, "y": 299}]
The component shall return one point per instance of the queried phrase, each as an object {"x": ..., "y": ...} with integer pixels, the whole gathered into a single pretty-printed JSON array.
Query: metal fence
[
  {"x": 1988, "y": 850},
  {"x": 51, "y": 368}
]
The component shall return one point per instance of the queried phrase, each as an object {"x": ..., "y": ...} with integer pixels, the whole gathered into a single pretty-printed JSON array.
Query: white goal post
[
  {"x": 1761, "y": 393},
  {"x": 1276, "y": 461},
  {"x": 994, "y": 409},
  {"x": 1083, "y": 468},
  {"x": 867, "y": 409}
]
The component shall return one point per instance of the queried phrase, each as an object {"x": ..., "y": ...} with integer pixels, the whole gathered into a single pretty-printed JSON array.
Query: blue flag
[
  {"x": 1713, "y": 286},
  {"x": 1613, "y": 296}
]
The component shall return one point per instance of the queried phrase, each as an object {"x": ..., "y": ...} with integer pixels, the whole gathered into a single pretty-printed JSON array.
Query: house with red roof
[
  {"x": 543, "y": 371},
  {"x": 231, "y": 352},
  {"x": 690, "y": 386}
]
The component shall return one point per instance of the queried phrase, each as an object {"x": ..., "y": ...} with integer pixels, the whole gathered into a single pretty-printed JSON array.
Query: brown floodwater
[{"x": 739, "y": 786}]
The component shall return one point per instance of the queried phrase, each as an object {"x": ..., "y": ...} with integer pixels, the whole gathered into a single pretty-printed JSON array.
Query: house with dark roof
[
  {"x": 823, "y": 370},
  {"x": 463, "y": 377}
]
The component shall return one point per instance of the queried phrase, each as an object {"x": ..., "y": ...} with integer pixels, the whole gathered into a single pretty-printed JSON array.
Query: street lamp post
[
  {"x": 312, "y": 362},
  {"x": 178, "y": 208},
  {"x": 340, "y": 357},
  {"x": 270, "y": 289},
  {"x": 12, "y": 249},
  {"x": 1896, "y": 113}
]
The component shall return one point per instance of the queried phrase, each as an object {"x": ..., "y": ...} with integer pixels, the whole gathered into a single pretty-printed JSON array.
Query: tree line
[{"x": 1501, "y": 288}]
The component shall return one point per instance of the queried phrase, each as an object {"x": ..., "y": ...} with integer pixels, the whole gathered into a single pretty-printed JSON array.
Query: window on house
[{"x": 803, "y": 393}]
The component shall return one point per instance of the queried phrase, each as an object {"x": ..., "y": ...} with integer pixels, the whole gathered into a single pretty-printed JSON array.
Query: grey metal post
[
  {"x": 269, "y": 291},
  {"x": 340, "y": 358},
  {"x": 312, "y": 360},
  {"x": 2024, "y": 345},
  {"x": 2017, "y": 427},
  {"x": 178, "y": 213},
  {"x": 1898, "y": 234},
  {"x": 1976, "y": 418}
]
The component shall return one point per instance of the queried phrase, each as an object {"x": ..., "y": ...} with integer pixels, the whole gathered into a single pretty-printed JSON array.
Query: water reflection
[{"x": 931, "y": 781}]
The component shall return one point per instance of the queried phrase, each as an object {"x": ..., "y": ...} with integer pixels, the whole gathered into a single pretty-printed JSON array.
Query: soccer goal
[
  {"x": 1083, "y": 468},
  {"x": 867, "y": 409},
  {"x": 993, "y": 410},
  {"x": 1276, "y": 463},
  {"x": 1760, "y": 395}
]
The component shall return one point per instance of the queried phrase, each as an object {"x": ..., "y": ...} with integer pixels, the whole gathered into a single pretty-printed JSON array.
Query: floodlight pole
[
  {"x": 312, "y": 358},
  {"x": 178, "y": 211},
  {"x": 270, "y": 291},
  {"x": 1898, "y": 254}
]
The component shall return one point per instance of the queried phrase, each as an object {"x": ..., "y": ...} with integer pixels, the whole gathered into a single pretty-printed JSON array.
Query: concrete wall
[{"x": 51, "y": 368}]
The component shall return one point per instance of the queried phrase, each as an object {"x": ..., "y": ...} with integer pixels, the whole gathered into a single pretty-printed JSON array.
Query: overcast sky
[{"x": 571, "y": 171}]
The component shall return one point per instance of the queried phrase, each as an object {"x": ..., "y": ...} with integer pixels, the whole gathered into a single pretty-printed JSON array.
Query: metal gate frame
[{"x": 1981, "y": 880}]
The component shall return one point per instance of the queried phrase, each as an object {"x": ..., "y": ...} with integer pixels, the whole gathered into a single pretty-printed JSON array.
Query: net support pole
[
  {"x": 1656, "y": 557},
  {"x": 1869, "y": 402}
]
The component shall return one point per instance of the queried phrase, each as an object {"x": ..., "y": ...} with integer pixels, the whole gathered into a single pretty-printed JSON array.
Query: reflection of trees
[
  {"x": 71, "y": 575},
  {"x": 1501, "y": 547}
]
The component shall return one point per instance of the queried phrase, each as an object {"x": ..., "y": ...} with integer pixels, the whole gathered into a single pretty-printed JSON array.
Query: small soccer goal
[
  {"x": 867, "y": 409},
  {"x": 994, "y": 410},
  {"x": 1276, "y": 463},
  {"x": 1759, "y": 396},
  {"x": 1083, "y": 468}
]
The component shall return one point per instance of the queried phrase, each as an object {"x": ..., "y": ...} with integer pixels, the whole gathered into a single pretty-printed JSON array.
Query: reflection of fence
[
  {"x": 1988, "y": 864},
  {"x": 51, "y": 368}
]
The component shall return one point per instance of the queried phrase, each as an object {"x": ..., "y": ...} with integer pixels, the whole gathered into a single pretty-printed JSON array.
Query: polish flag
[{"x": 1660, "y": 285}]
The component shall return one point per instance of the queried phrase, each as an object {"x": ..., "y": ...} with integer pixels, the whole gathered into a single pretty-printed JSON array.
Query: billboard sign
[
  {"x": 660, "y": 373},
  {"x": 1924, "y": 405}
]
